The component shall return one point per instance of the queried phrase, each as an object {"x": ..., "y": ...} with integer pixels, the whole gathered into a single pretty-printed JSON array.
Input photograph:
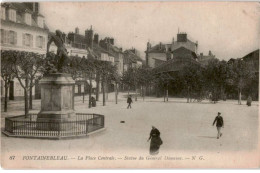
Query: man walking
[
  {"x": 129, "y": 101},
  {"x": 219, "y": 124}
]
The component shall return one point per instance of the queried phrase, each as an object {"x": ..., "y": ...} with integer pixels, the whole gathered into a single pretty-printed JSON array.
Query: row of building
[{"x": 23, "y": 28}]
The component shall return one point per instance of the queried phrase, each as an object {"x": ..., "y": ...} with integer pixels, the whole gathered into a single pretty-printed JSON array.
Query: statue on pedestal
[
  {"x": 57, "y": 89},
  {"x": 56, "y": 63}
]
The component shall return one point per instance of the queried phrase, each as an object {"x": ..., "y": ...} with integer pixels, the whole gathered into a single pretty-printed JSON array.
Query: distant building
[
  {"x": 108, "y": 45},
  {"x": 253, "y": 59},
  {"x": 181, "y": 58},
  {"x": 163, "y": 52},
  {"x": 204, "y": 59},
  {"x": 22, "y": 29},
  {"x": 131, "y": 59}
]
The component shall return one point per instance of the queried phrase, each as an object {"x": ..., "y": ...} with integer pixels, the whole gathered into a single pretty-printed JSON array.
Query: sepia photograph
[{"x": 130, "y": 85}]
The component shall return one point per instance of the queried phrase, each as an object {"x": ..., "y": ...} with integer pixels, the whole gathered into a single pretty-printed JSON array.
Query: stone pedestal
[{"x": 57, "y": 102}]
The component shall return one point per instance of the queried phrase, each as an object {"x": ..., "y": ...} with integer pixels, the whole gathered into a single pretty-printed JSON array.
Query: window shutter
[
  {"x": 2, "y": 36},
  {"x": 11, "y": 37},
  {"x": 15, "y": 38},
  {"x": 43, "y": 42},
  {"x": 37, "y": 41},
  {"x": 23, "y": 39},
  {"x": 6, "y": 40},
  {"x": 31, "y": 41}
]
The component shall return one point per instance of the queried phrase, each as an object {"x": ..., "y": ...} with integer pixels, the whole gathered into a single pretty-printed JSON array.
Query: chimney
[
  {"x": 148, "y": 46},
  {"x": 36, "y": 7},
  {"x": 76, "y": 30},
  {"x": 172, "y": 40},
  {"x": 210, "y": 53},
  {"x": 96, "y": 40},
  {"x": 111, "y": 41},
  {"x": 160, "y": 45},
  {"x": 182, "y": 37}
]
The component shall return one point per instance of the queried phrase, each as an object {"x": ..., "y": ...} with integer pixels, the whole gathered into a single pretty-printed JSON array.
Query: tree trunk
[
  {"x": 239, "y": 96},
  {"x": 26, "y": 109},
  {"x": 188, "y": 96},
  {"x": 128, "y": 89},
  {"x": 83, "y": 96},
  {"x": 6, "y": 96},
  {"x": 135, "y": 93},
  {"x": 89, "y": 92},
  {"x": 167, "y": 93},
  {"x": 30, "y": 96},
  {"x": 103, "y": 91},
  {"x": 97, "y": 87},
  {"x": 143, "y": 92},
  {"x": 106, "y": 89},
  {"x": 116, "y": 90},
  {"x": 164, "y": 94}
]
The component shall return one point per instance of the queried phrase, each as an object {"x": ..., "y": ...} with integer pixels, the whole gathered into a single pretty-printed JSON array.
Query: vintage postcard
[{"x": 129, "y": 85}]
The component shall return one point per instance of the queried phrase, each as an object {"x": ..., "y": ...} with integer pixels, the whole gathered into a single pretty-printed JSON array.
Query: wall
[
  {"x": 189, "y": 45},
  {"x": 23, "y": 30},
  {"x": 152, "y": 56},
  {"x": 18, "y": 90}
]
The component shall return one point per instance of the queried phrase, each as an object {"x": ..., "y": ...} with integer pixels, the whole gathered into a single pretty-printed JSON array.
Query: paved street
[{"x": 186, "y": 128}]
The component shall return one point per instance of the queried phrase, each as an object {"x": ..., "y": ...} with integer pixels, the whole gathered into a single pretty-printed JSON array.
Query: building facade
[
  {"x": 22, "y": 29},
  {"x": 162, "y": 52},
  {"x": 204, "y": 59},
  {"x": 132, "y": 59}
]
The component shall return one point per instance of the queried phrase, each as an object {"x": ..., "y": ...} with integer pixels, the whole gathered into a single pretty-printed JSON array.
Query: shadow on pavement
[{"x": 207, "y": 137}]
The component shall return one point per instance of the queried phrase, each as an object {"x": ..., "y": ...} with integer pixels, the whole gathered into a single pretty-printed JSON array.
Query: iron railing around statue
[{"x": 29, "y": 126}]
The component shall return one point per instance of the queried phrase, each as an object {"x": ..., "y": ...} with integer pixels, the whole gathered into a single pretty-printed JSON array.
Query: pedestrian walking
[
  {"x": 129, "y": 101},
  {"x": 93, "y": 102},
  {"x": 156, "y": 141},
  {"x": 249, "y": 101},
  {"x": 219, "y": 124}
]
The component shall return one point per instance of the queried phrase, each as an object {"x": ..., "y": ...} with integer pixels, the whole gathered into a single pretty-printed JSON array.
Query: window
[
  {"x": 12, "y": 37},
  {"x": 40, "y": 21},
  {"x": 28, "y": 19},
  {"x": 40, "y": 42},
  {"x": 12, "y": 15},
  {"x": 3, "y": 13},
  {"x": 4, "y": 36},
  {"x": 28, "y": 40}
]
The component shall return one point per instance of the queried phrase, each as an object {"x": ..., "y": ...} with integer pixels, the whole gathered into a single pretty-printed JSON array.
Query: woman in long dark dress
[{"x": 156, "y": 141}]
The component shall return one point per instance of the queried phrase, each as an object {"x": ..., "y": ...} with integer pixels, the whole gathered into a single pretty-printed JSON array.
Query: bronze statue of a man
[{"x": 61, "y": 49}]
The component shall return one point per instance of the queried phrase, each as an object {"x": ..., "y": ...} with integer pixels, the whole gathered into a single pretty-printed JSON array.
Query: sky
[{"x": 228, "y": 29}]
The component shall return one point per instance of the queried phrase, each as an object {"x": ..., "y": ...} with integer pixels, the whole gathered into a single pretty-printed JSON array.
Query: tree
[
  {"x": 107, "y": 71},
  {"x": 26, "y": 65},
  {"x": 144, "y": 77},
  {"x": 77, "y": 70},
  {"x": 6, "y": 73},
  {"x": 215, "y": 75},
  {"x": 240, "y": 75},
  {"x": 36, "y": 73},
  {"x": 192, "y": 79},
  {"x": 129, "y": 78},
  {"x": 88, "y": 67}
]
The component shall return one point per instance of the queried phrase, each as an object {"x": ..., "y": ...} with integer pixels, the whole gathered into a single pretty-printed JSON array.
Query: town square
[{"x": 129, "y": 93}]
